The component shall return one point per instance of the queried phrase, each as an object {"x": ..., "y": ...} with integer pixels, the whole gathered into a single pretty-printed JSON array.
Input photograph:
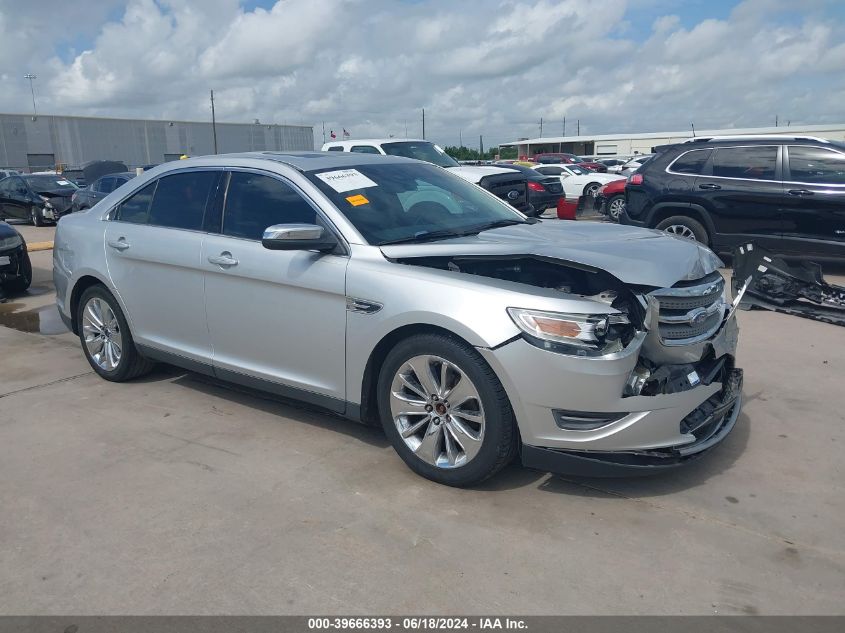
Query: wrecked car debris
[{"x": 798, "y": 289}]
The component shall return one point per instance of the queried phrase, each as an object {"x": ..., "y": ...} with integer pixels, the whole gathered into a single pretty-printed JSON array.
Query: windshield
[
  {"x": 397, "y": 202},
  {"x": 421, "y": 150},
  {"x": 49, "y": 183}
]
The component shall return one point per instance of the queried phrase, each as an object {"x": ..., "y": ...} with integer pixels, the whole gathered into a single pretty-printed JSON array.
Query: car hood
[
  {"x": 474, "y": 174},
  {"x": 632, "y": 255}
]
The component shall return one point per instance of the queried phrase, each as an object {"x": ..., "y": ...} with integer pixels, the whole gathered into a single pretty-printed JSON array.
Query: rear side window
[
  {"x": 255, "y": 202},
  {"x": 551, "y": 171},
  {"x": 364, "y": 149},
  {"x": 690, "y": 162},
  {"x": 816, "y": 165},
  {"x": 180, "y": 200},
  {"x": 104, "y": 185},
  {"x": 754, "y": 163},
  {"x": 136, "y": 208},
  {"x": 336, "y": 148}
]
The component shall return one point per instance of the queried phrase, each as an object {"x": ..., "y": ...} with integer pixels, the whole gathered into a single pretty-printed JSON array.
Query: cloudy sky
[{"x": 491, "y": 67}]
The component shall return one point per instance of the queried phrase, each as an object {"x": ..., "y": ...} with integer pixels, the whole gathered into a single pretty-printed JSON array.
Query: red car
[
  {"x": 553, "y": 158},
  {"x": 610, "y": 199}
]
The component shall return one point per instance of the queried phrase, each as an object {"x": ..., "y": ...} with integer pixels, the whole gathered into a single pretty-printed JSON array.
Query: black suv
[{"x": 786, "y": 193}]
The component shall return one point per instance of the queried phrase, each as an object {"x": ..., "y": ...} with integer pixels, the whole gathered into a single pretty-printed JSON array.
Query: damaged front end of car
[{"x": 636, "y": 380}]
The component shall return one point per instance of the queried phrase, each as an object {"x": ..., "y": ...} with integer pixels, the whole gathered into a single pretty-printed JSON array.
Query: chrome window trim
[
  {"x": 810, "y": 184},
  {"x": 669, "y": 169}
]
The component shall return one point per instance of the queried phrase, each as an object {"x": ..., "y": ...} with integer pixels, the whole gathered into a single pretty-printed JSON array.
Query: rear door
[
  {"x": 742, "y": 190},
  {"x": 153, "y": 250},
  {"x": 814, "y": 201}
]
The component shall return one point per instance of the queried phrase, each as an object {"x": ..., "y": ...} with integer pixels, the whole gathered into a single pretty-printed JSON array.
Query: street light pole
[{"x": 30, "y": 76}]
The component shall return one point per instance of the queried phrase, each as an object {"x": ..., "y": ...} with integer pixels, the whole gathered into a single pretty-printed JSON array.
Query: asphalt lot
[{"x": 176, "y": 495}]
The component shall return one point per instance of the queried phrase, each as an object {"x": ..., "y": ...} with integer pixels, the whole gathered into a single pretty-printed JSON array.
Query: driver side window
[{"x": 254, "y": 202}]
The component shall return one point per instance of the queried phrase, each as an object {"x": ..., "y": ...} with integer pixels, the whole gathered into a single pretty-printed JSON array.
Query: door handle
[
  {"x": 800, "y": 192},
  {"x": 119, "y": 245},
  {"x": 709, "y": 185},
  {"x": 224, "y": 260}
]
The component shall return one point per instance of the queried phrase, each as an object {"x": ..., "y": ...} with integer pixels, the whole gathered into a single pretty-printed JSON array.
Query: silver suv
[{"x": 391, "y": 291}]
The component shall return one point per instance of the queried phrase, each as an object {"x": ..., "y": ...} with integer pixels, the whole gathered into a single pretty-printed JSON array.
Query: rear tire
[
  {"x": 105, "y": 337},
  {"x": 683, "y": 226},
  {"x": 462, "y": 433}
]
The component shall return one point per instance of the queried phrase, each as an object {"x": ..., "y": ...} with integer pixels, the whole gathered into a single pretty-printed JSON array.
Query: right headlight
[
  {"x": 570, "y": 333},
  {"x": 8, "y": 243}
]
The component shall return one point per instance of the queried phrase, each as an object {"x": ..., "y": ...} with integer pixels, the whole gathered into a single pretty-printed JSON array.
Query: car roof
[
  {"x": 302, "y": 161},
  {"x": 378, "y": 141}
]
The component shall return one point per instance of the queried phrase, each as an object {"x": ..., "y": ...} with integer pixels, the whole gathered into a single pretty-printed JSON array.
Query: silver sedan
[{"x": 395, "y": 293}]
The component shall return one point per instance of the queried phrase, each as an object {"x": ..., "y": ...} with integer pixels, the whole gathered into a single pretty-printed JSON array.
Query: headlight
[
  {"x": 580, "y": 334},
  {"x": 8, "y": 243},
  {"x": 46, "y": 201}
]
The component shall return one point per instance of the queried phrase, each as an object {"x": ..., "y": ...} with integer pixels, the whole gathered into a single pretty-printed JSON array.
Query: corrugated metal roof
[{"x": 794, "y": 129}]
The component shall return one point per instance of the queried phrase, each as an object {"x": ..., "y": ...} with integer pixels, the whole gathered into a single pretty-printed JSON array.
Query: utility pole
[
  {"x": 776, "y": 120},
  {"x": 423, "y": 121},
  {"x": 692, "y": 125},
  {"x": 541, "y": 127},
  {"x": 480, "y": 147},
  {"x": 30, "y": 76},
  {"x": 460, "y": 138},
  {"x": 324, "y": 132},
  {"x": 564, "y": 126},
  {"x": 213, "y": 122},
  {"x": 578, "y": 125}
]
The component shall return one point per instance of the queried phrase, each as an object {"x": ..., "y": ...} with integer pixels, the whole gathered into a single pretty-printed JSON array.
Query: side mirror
[{"x": 297, "y": 237}]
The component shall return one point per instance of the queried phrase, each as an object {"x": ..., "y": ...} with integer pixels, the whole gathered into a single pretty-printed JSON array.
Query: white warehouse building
[{"x": 630, "y": 144}]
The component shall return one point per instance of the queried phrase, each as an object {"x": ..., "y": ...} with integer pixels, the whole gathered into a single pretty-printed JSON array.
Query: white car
[
  {"x": 578, "y": 180},
  {"x": 510, "y": 186}
]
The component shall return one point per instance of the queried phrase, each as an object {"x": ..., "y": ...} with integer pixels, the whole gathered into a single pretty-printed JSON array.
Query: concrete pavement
[{"x": 176, "y": 495}]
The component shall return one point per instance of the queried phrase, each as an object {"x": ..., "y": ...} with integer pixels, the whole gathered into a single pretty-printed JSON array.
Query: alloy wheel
[
  {"x": 593, "y": 189},
  {"x": 101, "y": 330},
  {"x": 681, "y": 230},
  {"x": 437, "y": 411},
  {"x": 616, "y": 207}
]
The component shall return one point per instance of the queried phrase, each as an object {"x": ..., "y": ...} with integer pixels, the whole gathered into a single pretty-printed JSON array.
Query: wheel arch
[
  {"x": 664, "y": 210},
  {"x": 82, "y": 284},
  {"x": 368, "y": 409}
]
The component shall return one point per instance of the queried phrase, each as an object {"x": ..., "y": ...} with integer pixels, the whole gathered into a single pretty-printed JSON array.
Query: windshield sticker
[
  {"x": 63, "y": 182},
  {"x": 357, "y": 200},
  {"x": 346, "y": 180}
]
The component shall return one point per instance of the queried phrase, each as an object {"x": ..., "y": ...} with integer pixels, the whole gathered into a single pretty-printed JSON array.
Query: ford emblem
[{"x": 513, "y": 194}]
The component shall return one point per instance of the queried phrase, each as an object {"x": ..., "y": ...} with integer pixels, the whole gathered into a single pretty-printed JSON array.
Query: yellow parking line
[{"x": 39, "y": 246}]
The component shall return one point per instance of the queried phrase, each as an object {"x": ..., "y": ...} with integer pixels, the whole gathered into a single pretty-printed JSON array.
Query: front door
[
  {"x": 814, "y": 202},
  {"x": 742, "y": 189},
  {"x": 15, "y": 198},
  {"x": 153, "y": 251},
  {"x": 277, "y": 318}
]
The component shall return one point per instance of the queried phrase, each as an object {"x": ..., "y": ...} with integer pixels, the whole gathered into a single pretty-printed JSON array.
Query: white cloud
[{"x": 491, "y": 67}]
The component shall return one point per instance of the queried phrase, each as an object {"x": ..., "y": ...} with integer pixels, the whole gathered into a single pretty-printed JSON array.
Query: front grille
[
  {"x": 502, "y": 185},
  {"x": 691, "y": 312}
]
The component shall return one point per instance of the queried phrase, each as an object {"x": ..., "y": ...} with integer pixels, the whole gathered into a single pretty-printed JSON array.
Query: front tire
[
  {"x": 445, "y": 411},
  {"x": 615, "y": 207},
  {"x": 36, "y": 216},
  {"x": 105, "y": 337},
  {"x": 683, "y": 226}
]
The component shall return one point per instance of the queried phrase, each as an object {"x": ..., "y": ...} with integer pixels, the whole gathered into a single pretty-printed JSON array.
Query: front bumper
[
  {"x": 642, "y": 433},
  {"x": 12, "y": 270}
]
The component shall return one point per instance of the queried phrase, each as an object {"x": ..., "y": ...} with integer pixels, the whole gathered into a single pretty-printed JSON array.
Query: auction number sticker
[{"x": 345, "y": 180}]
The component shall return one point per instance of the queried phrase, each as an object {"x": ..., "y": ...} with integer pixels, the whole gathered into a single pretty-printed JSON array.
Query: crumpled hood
[
  {"x": 56, "y": 193},
  {"x": 632, "y": 255}
]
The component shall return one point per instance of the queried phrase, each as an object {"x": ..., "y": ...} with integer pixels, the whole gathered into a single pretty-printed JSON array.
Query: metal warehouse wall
[{"x": 25, "y": 143}]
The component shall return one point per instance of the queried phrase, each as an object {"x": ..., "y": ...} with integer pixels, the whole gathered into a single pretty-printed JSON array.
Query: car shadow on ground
[
  {"x": 267, "y": 403},
  {"x": 514, "y": 476}
]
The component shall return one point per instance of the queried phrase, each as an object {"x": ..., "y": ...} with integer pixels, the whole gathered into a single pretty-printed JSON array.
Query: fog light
[
  {"x": 636, "y": 381},
  {"x": 584, "y": 421}
]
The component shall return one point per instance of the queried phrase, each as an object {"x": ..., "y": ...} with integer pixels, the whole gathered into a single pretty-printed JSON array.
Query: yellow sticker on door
[{"x": 357, "y": 200}]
